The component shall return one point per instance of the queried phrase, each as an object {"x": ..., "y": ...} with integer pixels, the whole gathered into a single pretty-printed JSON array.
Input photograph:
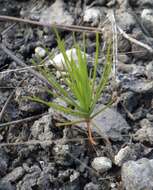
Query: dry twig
[{"x": 125, "y": 35}]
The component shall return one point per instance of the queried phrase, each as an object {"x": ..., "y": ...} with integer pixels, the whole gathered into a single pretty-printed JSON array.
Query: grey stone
[
  {"x": 141, "y": 86},
  {"x": 140, "y": 53},
  {"x": 31, "y": 87},
  {"x": 39, "y": 51},
  {"x": 59, "y": 62},
  {"x": 30, "y": 179},
  {"x": 147, "y": 20},
  {"x": 123, "y": 44},
  {"x": 125, "y": 20},
  {"x": 7, "y": 186},
  {"x": 138, "y": 175},
  {"x": 149, "y": 70},
  {"x": 125, "y": 154},
  {"x": 3, "y": 163},
  {"x": 101, "y": 164},
  {"x": 145, "y": 134},
  {"x": 14, "y": 175},
  {"x": 94, "y": 15},
  {"x": 91, "y": 186},
  {"x": 129, "y": 152},
  {"x": 111, "y": 123},
  {"x": 41, "y": 129},
  {"x": 57, "y": 14},
  {"x": 108, "y": 123}
]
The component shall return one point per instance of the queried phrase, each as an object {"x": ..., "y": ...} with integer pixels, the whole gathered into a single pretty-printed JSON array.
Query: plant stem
[{"x": 91, "y": 140}]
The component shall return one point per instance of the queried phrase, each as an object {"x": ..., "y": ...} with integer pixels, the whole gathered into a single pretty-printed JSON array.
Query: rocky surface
[
  {"x": 35, "y": 154},
  {"x": 137, "y": 175}
]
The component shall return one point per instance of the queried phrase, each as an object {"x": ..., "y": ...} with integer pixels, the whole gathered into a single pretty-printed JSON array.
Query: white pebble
[
  {"x": 40, "y": 52},
  {"x": 102, "y": 164}
]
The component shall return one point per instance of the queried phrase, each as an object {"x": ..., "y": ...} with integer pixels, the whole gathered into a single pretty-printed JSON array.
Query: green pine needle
[{"x": 84, "y": 90}]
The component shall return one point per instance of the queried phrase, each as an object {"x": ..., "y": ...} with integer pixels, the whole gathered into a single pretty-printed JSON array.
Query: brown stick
[
  {"x": 59, "y": 26},
  {"x": 91, "y": 140}
]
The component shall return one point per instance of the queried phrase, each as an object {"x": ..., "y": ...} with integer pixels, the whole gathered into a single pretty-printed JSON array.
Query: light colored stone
[
  {"x": 122, "y": 156},
  {"x": 108, "y": 123},
  {"x": 59, "y": 62},
  {"x": 56, "y": 13},
  {"x": 41, "y": 129},
  {"x": 102, "y": 164},
  {"x": 138, "y": 175},
  {"x": 14, "y": 175},
  {"x": 147, "y": 20},
  {"x": 145, "y": 134},
  {"x": 40, "y": 52},
  {"x": 92, "y": 15}
]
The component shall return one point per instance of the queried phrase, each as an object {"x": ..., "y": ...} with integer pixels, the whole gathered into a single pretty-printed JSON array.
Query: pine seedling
[{"x": 84, "y": 90}]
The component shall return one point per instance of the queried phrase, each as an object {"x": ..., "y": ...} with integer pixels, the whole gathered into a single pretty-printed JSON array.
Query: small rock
[
  {"x": 149, "y": 70},
  {"x": 52, "y": 16},
  {"x": 40, "y": 52},
  {"x": 145, "y": 123},
  {"x": 147, "y": 20},
  {"x": 145, "y": 134},
  {"x": 123, "y": 44},
  {"x": 7, "y": 186},
  {"x": 91, "y": 186},
  {"x": 41, "y": 129},
  {"x": 125, "y": 154},
  {"x": 93, "y": 15},
  {"x": 58, "y": 60},
  {"x": 14, "y": 175},
  {"x": 61, "y": 149},
  {"x": 30, "y": 179},
  {"x": 31, "y": 87},
  {"x": 125, "y": 20},
  {"x": 109, "y": 123},
  {"x": 74, "y": 176},
  {"x": 3, "y": 163},
  {"x": 138, "y": 175},
  {"x": 140, "y": 53},
  {"x": 101, "y": 164},
  {"x": 132, "y": 152},
  {"x": 141, "y": 86}
]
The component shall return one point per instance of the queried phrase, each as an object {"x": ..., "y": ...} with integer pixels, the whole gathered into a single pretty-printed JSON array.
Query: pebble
[
  {"x": 14, "y": 175},
  {"x": 41, "y": 129},
  {"x": 101, "y": 164},
  {"x": 57, "y": 13},
  {"x": 149, "y": 70},
  {"x": 92, "y": 15},
  {"x": 59, "y": 62},
  {"x": 145, "y": 134},
  {"x": 40, "y": 52},
  {"x": 125, "y": 20},
  {"x": 141, "y": 86},
  {"x": 147, "y": 20},
  {"x": 138, "y": 175},
  {"x": 125, "y": 154}
]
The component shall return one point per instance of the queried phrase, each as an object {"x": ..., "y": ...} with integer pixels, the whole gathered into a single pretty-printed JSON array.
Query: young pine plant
[{"x": 82, "y": 91}]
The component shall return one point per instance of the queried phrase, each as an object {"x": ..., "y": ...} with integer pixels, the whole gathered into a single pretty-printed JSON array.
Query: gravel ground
[{"x": 37, "y": 155}]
